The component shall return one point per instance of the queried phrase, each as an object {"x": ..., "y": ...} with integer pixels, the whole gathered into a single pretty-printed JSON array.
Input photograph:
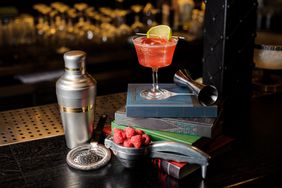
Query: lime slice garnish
[{"x": 160, "y": 31}]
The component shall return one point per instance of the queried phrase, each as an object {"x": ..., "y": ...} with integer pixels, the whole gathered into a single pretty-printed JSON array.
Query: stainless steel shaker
[{"x": 76, "y": 95}]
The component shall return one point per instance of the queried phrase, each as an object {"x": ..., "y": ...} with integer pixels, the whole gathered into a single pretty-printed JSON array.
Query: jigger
[{"x": 207, "y": 94}]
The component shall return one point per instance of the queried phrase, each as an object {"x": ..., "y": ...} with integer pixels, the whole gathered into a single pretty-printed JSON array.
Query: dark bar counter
[{"x": 253, "y": 160}]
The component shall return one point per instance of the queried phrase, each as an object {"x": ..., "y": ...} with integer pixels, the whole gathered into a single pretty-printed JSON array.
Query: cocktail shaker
[{"x": 76, "y": 95}]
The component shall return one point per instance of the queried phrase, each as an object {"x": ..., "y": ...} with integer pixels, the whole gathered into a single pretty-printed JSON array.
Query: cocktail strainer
[{"x": 90, "y": 156}]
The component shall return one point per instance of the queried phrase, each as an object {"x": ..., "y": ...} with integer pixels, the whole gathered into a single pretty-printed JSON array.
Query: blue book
[{"x": 176, "y": 106}]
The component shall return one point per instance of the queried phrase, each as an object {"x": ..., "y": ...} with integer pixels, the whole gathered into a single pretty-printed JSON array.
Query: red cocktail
[{"x": 155, "y": 53}]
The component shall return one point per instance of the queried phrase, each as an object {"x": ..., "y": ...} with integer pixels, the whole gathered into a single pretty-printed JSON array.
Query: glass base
[{"x": 159, "y": 94}]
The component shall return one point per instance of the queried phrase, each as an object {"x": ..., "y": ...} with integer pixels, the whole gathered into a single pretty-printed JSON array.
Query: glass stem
[{"x": 155, "y": 79}]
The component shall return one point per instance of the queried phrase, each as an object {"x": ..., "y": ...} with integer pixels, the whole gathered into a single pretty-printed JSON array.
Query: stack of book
[{"x": 179, "y": 118}]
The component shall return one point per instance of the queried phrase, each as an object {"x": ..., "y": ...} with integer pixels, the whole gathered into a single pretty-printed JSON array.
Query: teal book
[
  {"x": 199, "y": 126},
  {"x": 163, "y": 135},
  {"x": 173, "y": 107}
]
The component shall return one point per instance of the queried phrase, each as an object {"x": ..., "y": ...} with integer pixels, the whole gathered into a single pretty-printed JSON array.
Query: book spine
[
  {"x": 175, "y": 112},
  {"x": 165, "y": 167},
  {"x": 175, "y": 169}
]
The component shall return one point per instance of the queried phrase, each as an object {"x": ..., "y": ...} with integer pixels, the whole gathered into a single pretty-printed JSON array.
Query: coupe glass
[{"x": 154, "y": 53}]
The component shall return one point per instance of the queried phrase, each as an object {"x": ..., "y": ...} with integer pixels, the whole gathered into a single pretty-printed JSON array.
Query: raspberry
[
  {"x": 129, "y": 132},
  {"x": 129, "y": 137},
  {"x": 117, "y": 130},
  {"x": 119, "y": 137},
  {"x": 127, "y": 143},
  {"x": 136, "y": 140},
  {"x": 123, "y": 135},
  {"x": 138, "y": 131},
  {"x": 146, "y": 139}
]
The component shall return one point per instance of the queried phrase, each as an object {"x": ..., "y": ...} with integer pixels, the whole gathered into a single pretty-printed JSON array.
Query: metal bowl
[{"x": 268, "y": 51}]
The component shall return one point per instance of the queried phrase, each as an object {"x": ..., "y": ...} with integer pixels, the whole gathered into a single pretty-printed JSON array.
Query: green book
[{"x": 163, "y": 135}]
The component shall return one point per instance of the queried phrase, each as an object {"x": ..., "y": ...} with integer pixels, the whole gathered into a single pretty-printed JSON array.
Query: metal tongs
[{"x": 180, "y": 152}]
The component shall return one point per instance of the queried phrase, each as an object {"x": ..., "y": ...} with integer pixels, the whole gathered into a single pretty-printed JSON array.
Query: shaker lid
[{"x": 74, "y": 59}]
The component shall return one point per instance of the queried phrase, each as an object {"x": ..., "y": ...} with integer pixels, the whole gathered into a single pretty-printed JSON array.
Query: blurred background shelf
[
  {"x": 35, "y": 34},
  {"x": 31, "y": 80}
]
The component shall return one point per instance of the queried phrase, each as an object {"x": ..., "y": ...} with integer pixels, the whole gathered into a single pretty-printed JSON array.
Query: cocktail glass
[{"x": 154, "y": 53}]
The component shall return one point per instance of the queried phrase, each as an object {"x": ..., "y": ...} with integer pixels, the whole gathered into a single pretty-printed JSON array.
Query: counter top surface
[{"x": 253, "y": 161}]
